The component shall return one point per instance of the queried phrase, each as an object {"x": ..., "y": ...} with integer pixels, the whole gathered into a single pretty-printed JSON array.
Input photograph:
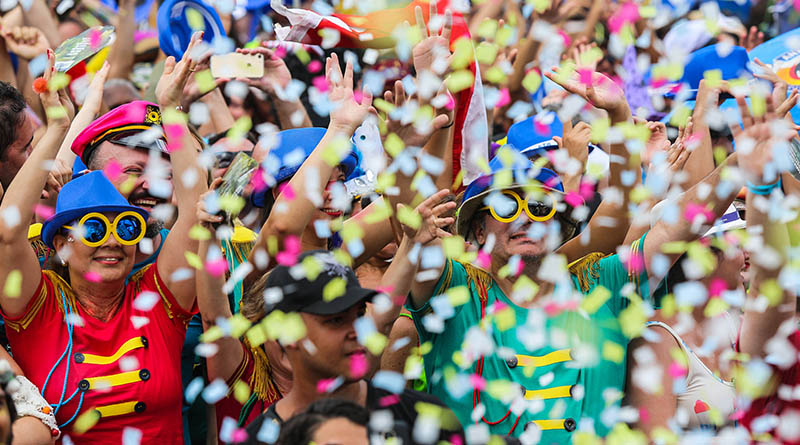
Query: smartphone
[{"x": 237, "y": 65}]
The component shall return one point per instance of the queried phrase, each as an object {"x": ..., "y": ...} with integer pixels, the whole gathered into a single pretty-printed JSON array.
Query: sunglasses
[
  {"x": 223, "y": 159},
  {"x": 510, "y": 209},
  {"x": 128, "y": 228}
]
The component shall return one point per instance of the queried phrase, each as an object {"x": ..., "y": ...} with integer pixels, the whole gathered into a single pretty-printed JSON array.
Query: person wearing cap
[
  {"x": 514, "y": 216},
  {"x": 328, "y": 354},
  {"x": 110, "y": 358},
  {"x": 706, "y": 401}
]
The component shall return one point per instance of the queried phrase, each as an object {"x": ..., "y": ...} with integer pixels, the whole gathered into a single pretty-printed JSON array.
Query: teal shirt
[{"x": 565, "y": 367}]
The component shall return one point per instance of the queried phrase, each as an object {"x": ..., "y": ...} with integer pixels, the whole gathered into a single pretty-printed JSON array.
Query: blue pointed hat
[
  {"x": 92, "y": 192},
  {"x": 174, "y": 31},
  {"x": 523, "y": 172},
  {"x": 733, "y": 66},
  {"x": 294, "y": 147}
]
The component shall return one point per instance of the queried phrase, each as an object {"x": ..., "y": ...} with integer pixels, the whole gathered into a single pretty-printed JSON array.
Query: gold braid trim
[
  {"x": 585, "y": 269},
  {"x": 59, "y": 285},
  {"x": 261, "y": 381},
  {"x": 479, "y": 279},
  {"x": 41, "y": 249}
]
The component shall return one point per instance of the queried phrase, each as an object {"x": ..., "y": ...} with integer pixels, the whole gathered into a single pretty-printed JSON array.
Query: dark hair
[
  {"x": 300, "y": 429},
  {"x": 12, "y": 105}
]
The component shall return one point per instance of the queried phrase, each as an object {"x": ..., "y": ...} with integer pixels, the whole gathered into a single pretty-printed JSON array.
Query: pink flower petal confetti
[
  {"x": 320, "y": 83},
  {"x": 43, "y": 211},
  {"x": 696, "y": 210},
  {"x": 92, "y": 277},
  {"x": 314, "y": 66},
  {"x": 112, "y": 170},
  {"x": 217, "y": 267},
  {"x": 676, "y": 370},
  {"x": 358, "y": 365}
]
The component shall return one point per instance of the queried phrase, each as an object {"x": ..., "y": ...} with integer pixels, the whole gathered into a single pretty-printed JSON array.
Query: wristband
[{"x": 763, "y": 189}]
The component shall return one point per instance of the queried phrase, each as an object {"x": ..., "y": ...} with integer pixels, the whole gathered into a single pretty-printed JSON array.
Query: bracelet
[{"x": 765, "y": 189}]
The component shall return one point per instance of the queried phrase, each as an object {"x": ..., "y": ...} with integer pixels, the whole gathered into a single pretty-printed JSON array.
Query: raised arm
[
  {"x": 762, "y": 321},
  {"x": 188, "y": 179},
  {"x": 420, "y": 228},
  {"x": 610, "y": 222},
  {"x": 19, "y": 268},
  {"x": 291, "y": 214},
  {"x": 121, "y": 55},
  {"x": 212, "y": 300}
]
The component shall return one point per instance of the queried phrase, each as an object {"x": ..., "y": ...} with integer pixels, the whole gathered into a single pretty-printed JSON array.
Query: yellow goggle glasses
[
  {"x": 128, "y": 228},
  {"x": 510, "y": 209}
]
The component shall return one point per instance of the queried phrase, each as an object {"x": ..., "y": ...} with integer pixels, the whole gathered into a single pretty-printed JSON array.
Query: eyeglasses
[
  {"x": 128, "y": 228},
  {"x": 224, "y": 158},
  {"x": 510, "y": 210}
]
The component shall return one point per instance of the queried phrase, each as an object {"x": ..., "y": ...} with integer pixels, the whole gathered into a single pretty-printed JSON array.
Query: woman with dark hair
[{"x": 327, "y": 422}]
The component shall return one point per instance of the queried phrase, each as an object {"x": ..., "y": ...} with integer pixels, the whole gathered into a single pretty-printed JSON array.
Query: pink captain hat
[{"x": 126, "y": 125}]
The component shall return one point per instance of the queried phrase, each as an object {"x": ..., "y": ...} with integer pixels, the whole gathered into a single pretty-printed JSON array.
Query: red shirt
[
  {"x": 254, "y": 370},
  {"x": 774, "y": 404},
  {"x": 127, "y": 371}
]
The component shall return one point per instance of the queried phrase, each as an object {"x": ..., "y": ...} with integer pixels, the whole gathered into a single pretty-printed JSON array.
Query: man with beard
[{"x": 128, "y": 144}]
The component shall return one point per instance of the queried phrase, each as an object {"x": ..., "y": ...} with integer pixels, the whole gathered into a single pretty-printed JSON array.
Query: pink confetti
[
  {"x": 239, "y": 435},
  {"x": 391, "y": 399},
  {"x": 358, "y": 96},
  {"x": 320, "y": 83},
  {"x": 484, "y": 260},
  {"x": 327, "y": 385},
  {"x": 628, "y": 13},
  {"x": 279, "y": 52},
  {"x": 717, "y": 287},
  {"x": 644, "y": 415},
  {"x": 217, "y": 267},
  {"x": 257, "y": 181},
  {"x": 94, "y": 38},
  {"x": 358, "y": 366},
  {"x": 565, "y": 37},
  {"x": 696, "y": 210},
  {"x": 585, "y": 76},
  {"x": 314, "y": 66},
  {"x": 92, "y": 277},
  {"x": 586, "y": 189},
  {"x": 451, "y": 101},
  {"x": 173, "y": 131},
  {"x": 112, "y": 170},
  {"x": 477, "y": 382},
  {"x": 676, "y": 370},
  {"x": 574, "y": 199},
  {"x": 540, "y": 128},
  {"x": 658, "y": 82},
  {"x": 635, "y": 263},
  {"x": 505, "y": 98},
  {"x": 43, "y": 211},
  {"x": 796, "y": 5},
  {"x": 287, "y": 191}
]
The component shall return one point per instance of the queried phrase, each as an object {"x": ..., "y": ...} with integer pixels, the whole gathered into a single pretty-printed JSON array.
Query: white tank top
[{"x": 704, "y": 391}]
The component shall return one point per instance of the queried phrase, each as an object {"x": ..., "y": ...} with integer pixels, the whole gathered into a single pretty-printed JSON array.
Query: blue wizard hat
[
  {"x": 174, "y": 31},
  {"x": 92, "y": 192}
]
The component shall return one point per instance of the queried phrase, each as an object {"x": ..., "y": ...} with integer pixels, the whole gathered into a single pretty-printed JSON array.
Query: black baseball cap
[{"x": 318, "y": 284}]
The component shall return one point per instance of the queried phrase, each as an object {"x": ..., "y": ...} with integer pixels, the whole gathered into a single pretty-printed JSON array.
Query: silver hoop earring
[{"x": 70, "y": 239}]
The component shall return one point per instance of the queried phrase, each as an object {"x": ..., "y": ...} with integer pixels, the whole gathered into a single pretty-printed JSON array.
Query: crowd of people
[{"x": 393, "y": 222}]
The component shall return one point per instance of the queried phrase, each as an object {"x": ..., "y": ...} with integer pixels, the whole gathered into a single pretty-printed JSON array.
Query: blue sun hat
[
  {"x": 509, "y": 169},
  {"x": 294, "y": 148},
  {"x": 92, "y": 192},
  {"x": 174, "y": 30},
  {"x": 523, "y": 137},
  {"x": 732, "y": 66}
]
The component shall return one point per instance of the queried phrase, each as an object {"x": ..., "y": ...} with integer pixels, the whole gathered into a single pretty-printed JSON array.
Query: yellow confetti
[
  {"x": 409, "y": 217},
  {"x": 463, "y": 54},
  {"x": 334, "y": 289},
  {"x": 199, "y": 233},
  {"x": 486, "y": 53},
  {"x": 596, "y": 299},
  {"x": 312, "y": 267},
  {"x": 383, "y": 105},
  {"x": 193, "y": 260},
  {"x": 613, "y": 352},
  {"x": 460, "y": 80},
  {"x": 715, "y": 307},
  {"x": 495, "y": 75},
  {"x": 241, "y": 391},
  {"x": 394, "y": 145},
  {"x": 239, "y": 325},
  {"x": 600, "y": 128},
  {"x": 458, "y": 295},
  {"x": 204, "y": 81},
  {"x": 256, "y": 335},
  {"x": 487, "y": 28},
  {"x": 194, "y": 19},
  {"x": 13, "y": 285},
  {"x": 86, "y": 421},
  {"x": 375, "y": 343},
  {"x": 505, "y": 319}
]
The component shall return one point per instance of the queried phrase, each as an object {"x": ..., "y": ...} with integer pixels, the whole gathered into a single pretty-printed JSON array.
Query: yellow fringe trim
[
  {"x": 479, "y": 279},
  {"x": 585, "y": 270},
  {"x": 261, "y": 382}
]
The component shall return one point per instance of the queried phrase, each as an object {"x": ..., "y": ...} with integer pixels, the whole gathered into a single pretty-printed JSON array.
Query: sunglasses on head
[
  {"x": 223, "y": 159},
  {"x": 509, "y": 210},
  {"x": 128, "y": 228}
]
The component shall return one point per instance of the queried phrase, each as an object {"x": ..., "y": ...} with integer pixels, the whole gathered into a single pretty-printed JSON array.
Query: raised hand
[
  {"x": 434, "y": 44},
  {"x": 752, "y": 39},
  {"x": 576, "y": 140},
  {"x": 678, "y": 153},
  {"x": 347, "y": 113},
  {"x": 56, "y": 103},
  {"x": 601, "y": 92},
  {"x": 583, "y": 54},
  {"x": 173, "y": 80},
  {"x": 757, "y": 137},
  {"x": 276, "y": 74},
  {"x": 433, "y": 220},
  {"x": 204, "y": 216},
  {"x": 414, "y": 133},
  {"x": 26, "y": 42}
]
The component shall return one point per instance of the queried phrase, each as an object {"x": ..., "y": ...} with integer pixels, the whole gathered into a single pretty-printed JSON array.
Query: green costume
[{"x": 565, "y": 362}]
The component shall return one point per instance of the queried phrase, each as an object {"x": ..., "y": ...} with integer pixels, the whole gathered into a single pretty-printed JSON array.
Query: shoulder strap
[
  {"x": 585, "y": 269},
  {"x": 673, "y": 333}
]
